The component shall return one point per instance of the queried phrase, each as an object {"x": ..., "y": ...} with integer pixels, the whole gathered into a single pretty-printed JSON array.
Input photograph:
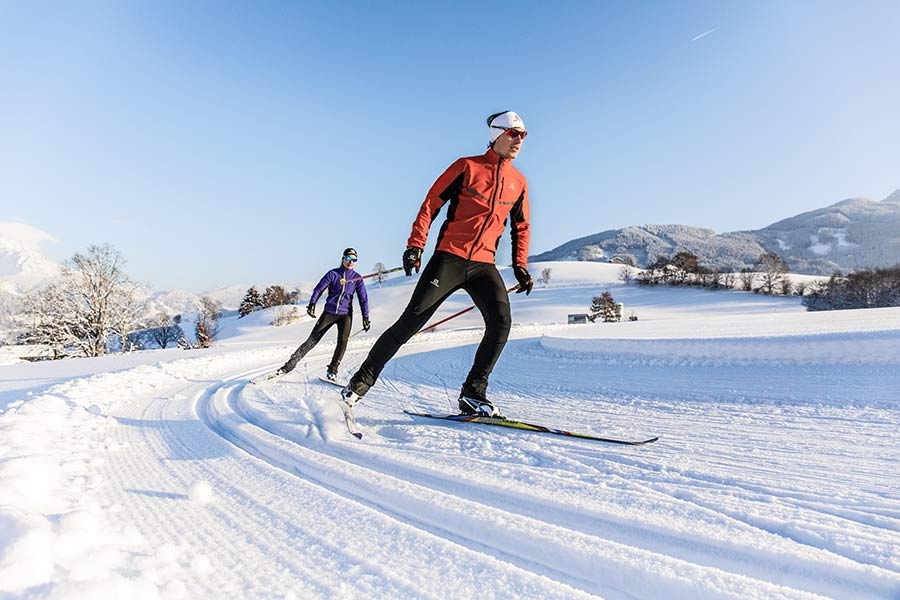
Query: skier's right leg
[{"x": 344, "y": 324}]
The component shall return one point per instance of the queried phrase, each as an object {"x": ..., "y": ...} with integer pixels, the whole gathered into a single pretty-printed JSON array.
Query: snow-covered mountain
[
  {"x": 22, "y": 265},
  {"x": 846, "y": 236}
]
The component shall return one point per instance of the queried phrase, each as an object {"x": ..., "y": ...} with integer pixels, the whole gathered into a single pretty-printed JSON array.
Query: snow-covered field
[{"x": 167, "y": 475}]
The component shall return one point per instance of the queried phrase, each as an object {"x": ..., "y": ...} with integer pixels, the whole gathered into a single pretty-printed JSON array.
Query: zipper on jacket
[
  {"x": 337, "y": 308},
  {"x": 484, "y": 225}
]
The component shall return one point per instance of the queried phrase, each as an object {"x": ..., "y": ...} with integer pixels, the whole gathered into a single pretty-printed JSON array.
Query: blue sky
[{"x": 216, "y": 143}]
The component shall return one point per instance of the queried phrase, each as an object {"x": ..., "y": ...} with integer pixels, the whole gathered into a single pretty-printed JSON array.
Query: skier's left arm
[{"x": 520, "y": 232}]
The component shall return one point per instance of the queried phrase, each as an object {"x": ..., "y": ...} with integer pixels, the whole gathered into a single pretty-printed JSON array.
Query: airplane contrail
[{"x": 704, "y": 34}]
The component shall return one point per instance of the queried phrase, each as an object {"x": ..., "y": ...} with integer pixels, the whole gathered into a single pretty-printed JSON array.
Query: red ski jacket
[{"x": 484, "y": 192}]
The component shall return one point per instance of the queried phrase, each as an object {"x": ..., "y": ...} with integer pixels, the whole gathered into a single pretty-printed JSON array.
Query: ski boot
[{"x": 480, "y": 407}]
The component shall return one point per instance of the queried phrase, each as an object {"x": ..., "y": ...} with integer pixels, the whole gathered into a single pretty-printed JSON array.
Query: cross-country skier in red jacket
[{"x": 483, "y": 193}]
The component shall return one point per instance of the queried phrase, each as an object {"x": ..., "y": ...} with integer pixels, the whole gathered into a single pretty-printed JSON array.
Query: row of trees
[
  {"x": 275, "y": 295},
  {"x": 768, "y": 275},
  {"x": 871, "y": 288},
  {"x": 93, "y": 307}
]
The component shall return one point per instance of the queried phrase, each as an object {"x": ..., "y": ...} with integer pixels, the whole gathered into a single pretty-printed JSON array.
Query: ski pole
[
  {"x": 357, "y": 333},
  {"x": 462, "y": 312},
  {"x": 374, "y": 274}
]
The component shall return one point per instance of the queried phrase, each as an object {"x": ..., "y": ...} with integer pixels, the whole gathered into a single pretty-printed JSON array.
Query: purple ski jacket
[{"x": 341, "y": 285}]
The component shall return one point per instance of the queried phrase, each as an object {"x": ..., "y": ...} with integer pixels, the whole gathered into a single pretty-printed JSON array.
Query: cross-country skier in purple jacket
[{"x": 342, "y": 283}]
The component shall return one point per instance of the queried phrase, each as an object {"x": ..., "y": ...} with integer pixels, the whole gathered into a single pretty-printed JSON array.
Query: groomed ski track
[{"x": 422, "y": 509}]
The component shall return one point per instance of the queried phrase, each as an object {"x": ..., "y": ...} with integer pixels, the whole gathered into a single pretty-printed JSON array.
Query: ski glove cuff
[
  {"x": 412, "y": 259},
  {"x": 524, "y": 279},
  {"x": 311, "y": 310},
  {"x": 366, "y": 323}
]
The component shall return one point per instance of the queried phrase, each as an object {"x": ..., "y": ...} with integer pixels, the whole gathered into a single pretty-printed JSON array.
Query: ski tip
[{"x": 357, "y": 435}]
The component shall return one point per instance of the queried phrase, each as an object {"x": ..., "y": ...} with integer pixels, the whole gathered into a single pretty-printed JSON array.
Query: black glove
[
  {"x": 412, "y": 259},
  {"x": 366, "y": 323},
  {"x": 311, "y": 310},
  {"x": 524, "y": 279}
]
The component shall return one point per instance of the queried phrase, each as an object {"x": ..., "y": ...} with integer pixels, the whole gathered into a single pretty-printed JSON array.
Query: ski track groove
[
  {"x": 387, "y": 504},
  {"x": 170, "y": 443},
  {"x": 315, "y": 469},
  {"x": 676, "y": 546},
  {"x": 237, "y": 448}
]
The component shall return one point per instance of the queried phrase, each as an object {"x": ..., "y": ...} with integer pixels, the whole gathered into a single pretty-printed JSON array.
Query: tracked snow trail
[
  {"x": 572, "y": 506},
  {"x": 303, "y": 519},
  {"x": 772, "y": 477}
]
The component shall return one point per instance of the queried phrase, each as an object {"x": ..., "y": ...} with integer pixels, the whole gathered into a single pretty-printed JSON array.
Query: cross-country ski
[{"x": 523, "y": 426}]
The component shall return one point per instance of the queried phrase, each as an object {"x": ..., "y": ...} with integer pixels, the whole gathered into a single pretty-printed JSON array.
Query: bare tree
[
  {"x": 380, "y": 269},
  {"x": 728, "y": 280},
  {"x": 545, "y": 276},
  {"x": 747, "y": 276},
  {"x": 284, "y": 314},
  {"x": 686, "y": 266},
  {"x": 786, "y": 286},
  {"x": 275, "y": 295},
  {"x": 166, "y": 331},
  {"x": 127, "y": 313},
  {"x": 772, "y": 268},
  {"x": 10, "y": 317},
  {"x": 626, "y": 274},
  {"x": 207, "y": 327},
  {"x": 91, "y": 300},
  {"x": 51, "y": 318}
]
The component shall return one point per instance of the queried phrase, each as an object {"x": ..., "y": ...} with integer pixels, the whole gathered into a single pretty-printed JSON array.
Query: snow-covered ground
[{"x": 167, "y": 475}]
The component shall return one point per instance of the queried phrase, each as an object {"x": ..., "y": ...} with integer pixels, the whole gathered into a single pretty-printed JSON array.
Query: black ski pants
[
  {"x": 343, "y": 322},
  {"x": 443, "y": 275}
]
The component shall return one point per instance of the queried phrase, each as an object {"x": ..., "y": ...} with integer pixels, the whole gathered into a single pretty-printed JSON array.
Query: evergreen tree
[
  {"x": 604, "y": 306},
  {"x": 608, "y": 308},
  {"x": 596, "y": 308},
  {"x": 251, "y": 302}
]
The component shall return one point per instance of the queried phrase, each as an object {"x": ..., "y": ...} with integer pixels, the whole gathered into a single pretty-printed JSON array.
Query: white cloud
[
  {"x": 26, "y": 236},
  {"x": 704, "y": 34}
]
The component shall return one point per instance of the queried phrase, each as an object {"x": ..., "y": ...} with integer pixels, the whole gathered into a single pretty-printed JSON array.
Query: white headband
[{"x": 504, "y": 121}]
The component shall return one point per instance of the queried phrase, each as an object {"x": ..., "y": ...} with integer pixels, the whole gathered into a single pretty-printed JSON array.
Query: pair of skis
[{"x": 354, "y": 429}]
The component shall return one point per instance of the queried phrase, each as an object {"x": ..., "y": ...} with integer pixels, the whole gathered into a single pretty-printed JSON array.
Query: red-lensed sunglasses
[{"x": 513, "y": 133}]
